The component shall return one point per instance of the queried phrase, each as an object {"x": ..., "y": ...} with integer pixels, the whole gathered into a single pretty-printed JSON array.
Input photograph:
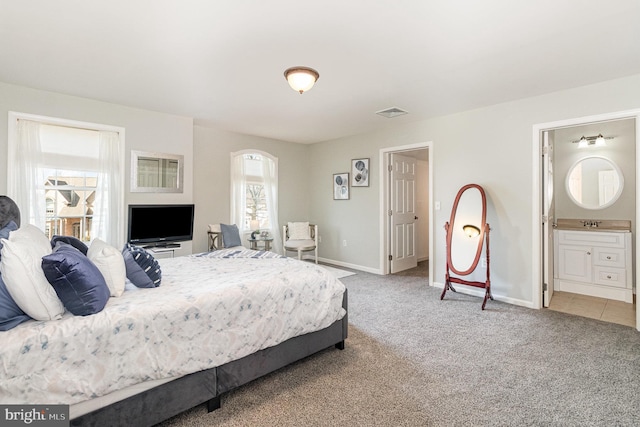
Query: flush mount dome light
[{"x": 301, "y": 79}]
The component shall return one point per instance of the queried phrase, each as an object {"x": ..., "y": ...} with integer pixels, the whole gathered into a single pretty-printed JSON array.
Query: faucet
[{"x": 590, "y": 224}]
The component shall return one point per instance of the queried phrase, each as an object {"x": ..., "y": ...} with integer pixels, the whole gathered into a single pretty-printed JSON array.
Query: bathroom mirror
[
  {"x": 594, "y": 182},
  {"x": 467, "y": 234},
  {"x": 156, "y": 172}
]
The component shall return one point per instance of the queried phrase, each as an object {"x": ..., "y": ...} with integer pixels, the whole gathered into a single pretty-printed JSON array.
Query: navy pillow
[
  {"x": 4, "y": 231},
  {"x": 10, "y": 314},
  {"x": 77, "y": 281},
  {"x": 70, "y": 240},
  {"x": 230, "y": 235},
  {"x": 142, "y": 268}
]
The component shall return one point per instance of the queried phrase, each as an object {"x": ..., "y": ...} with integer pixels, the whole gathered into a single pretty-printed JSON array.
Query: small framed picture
[
  {"x": 341, "y": 186},
  {"x": 360, "y": 172}
]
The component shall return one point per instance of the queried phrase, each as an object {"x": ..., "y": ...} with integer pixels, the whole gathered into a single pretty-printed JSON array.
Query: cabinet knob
[
  {"x": 609, "y": 277},
  {"x": 608, "y": 257},
  {"x": 588, "y": 253}
]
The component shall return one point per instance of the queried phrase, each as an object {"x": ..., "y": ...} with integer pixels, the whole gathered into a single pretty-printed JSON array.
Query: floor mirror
[{"x": 467, "y": 235}]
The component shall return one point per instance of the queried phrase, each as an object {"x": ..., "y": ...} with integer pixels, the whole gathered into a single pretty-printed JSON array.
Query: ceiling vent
[{"x": 392, "y": 112}]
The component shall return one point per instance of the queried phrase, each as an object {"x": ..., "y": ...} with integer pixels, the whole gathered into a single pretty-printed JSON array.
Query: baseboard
[
  {"x": 345, "y": 264},
  {"x": 476, "y": 292}
]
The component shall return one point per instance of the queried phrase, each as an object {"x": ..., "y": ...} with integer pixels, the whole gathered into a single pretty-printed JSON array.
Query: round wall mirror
[
  {"x": 467, "y": 229},
  {"x": 594, "y": 182}
]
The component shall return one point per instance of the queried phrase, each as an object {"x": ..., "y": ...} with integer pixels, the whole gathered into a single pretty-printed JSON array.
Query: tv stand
[{"x": 162, "y": 246}]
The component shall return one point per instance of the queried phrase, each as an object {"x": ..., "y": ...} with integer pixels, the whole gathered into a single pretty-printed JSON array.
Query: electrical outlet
[
  {"x": 484, "y": 263},
  {"x": 344, "y": 243},
  {"x": 319, "y": 239},
  {"x": 437, "y": 206}
]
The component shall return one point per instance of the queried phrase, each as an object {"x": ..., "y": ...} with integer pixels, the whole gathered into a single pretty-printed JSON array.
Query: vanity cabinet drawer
[
  {"x": 609, "y": 257},
  {"x": 610, "y": 276},
  {"x": 592, "y": 238}
]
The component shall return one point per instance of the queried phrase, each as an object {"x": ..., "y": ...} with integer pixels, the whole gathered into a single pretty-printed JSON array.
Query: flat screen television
[{"x": 160, "y": 225}]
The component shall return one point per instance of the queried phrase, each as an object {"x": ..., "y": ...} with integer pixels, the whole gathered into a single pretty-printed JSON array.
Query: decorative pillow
[
  {"x": 70, "y": 240},
  {"x": 110, "y": 262},
  {"x": 214, "y": 228},
  {"x": 230, "y": 235},
  {"x": 142, "y": 268},
  {"x": 298, "y": 230},
  {"x": 10, "y": 314},
  {"x": 8, "y": 211},
  {"x": 22, "y": 273},
  {"x": 77, "y": 281}
]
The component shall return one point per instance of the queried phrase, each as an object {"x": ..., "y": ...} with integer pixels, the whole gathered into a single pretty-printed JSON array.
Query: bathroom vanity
[{"x": 594, "y": 260}]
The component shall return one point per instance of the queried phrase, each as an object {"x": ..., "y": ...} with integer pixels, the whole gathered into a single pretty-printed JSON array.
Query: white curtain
[
  {"x": 108, "y": 223},
  {"x": 239, "y": 194},
  {"x": 26, "y": 176},
  {"x": 270, "y": 176}
]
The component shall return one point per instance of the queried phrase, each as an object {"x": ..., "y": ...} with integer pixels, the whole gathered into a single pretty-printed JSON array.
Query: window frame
[{"x": 14, "y": 116}]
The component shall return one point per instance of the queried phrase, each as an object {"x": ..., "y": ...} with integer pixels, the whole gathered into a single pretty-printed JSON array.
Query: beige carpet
[{"x": 362, "y": 385}]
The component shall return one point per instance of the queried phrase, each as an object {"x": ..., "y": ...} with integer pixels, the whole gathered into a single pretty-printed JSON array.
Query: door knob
[{"x": 415, "y": 217}]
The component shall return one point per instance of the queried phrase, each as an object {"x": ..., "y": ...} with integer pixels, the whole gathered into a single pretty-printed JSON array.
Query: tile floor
[{"x": 595, "y": 308}]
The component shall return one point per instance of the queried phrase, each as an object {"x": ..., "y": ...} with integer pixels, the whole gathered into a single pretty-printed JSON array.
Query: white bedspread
[{"x": 209, "y": 310}]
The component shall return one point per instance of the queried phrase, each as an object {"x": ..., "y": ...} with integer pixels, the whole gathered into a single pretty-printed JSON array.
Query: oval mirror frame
[
  {"x": 575, "y": 193},
  {"x": 452, "y": 228}
]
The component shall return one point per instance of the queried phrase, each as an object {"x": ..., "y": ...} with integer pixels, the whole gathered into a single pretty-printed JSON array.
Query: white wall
[
  {"x": 490, "y": 146},
  {"x": 144, "y": 130}
]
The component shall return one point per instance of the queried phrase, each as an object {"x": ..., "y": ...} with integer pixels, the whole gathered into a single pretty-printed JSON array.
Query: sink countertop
[{"x": 618, "y": 225}]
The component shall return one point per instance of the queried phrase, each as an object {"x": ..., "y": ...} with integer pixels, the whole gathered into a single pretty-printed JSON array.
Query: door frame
[
  {"x": 383, "y": 174},
  {"x": 536, "y": 219}
]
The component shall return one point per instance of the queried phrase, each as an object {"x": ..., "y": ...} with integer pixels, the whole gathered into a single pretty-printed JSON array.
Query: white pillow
[
  {"x": 215, "y": 228},
  {"x": 299, "y": 230},
  {"x": 22, "y": 273},
  {"x": 110, "y": 262}
]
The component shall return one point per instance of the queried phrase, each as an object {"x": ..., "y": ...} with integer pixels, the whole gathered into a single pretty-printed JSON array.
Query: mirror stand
[
  {"x": 467, "y": 231},
  {"x": 449, "y": 279}
]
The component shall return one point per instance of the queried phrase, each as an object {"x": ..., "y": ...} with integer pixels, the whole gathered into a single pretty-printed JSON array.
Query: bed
[{"x": 217, "y": 321}]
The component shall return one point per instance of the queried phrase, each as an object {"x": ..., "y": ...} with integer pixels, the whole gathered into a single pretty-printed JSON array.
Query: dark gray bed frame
[{"x": 163, "y": 402}]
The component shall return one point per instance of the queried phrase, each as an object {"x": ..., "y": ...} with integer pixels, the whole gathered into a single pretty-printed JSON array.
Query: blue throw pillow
[
  {"x": 142, "y": 268},
  {"x": 4, "y": 231},
  {"x": 10, "y": 314},
  {"x": 70, "y": 240},
  {"x": 77, "y": 281},
  {"x": 230, "y": 235}
]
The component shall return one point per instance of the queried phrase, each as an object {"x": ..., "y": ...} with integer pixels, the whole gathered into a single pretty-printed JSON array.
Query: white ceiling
[{"x": 222, "y": 62}]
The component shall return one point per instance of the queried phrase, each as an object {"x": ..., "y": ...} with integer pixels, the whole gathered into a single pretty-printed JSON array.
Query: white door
[
  {"x": 548, "y": 218},
  {"x": 403, "y": 213}
]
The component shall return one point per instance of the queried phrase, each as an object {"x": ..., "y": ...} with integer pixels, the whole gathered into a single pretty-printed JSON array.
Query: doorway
[
  {"x": 546, "y": 211},
  {"x": 405, "y": 233}
]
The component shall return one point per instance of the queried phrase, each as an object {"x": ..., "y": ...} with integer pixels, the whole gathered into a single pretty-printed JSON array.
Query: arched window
[{"x": 254, "y": 193}]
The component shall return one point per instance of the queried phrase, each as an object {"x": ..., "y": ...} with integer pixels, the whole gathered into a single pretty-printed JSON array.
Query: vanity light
[
  {"x": 598, "y": 141},
  {"x": 471, "y": 230},
  {"x": 301, "y": 79}
]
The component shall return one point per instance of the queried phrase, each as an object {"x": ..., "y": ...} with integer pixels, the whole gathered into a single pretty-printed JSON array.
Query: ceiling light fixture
[
  {"x": 598, "y": 141},
  {"x": 301, "y": 79}
]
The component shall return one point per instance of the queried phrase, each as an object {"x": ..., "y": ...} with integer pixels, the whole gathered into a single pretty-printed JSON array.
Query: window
[
  {"x": 66, "y": 177},
  {"x": 254, "y": 195}
]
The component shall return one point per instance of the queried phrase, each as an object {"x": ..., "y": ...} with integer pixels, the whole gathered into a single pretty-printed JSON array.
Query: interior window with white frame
[
  {"x": 67, "y": 178},
  {"x": 254, "y": 193}
]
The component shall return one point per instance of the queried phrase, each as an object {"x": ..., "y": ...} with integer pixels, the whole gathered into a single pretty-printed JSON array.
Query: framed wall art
[
  {"x": 360, "y": 172},
  {"x": 341, "y": 186}
]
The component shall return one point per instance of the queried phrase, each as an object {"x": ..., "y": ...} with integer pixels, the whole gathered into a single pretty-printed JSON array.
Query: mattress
[{"x": 210, "y": 309}]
